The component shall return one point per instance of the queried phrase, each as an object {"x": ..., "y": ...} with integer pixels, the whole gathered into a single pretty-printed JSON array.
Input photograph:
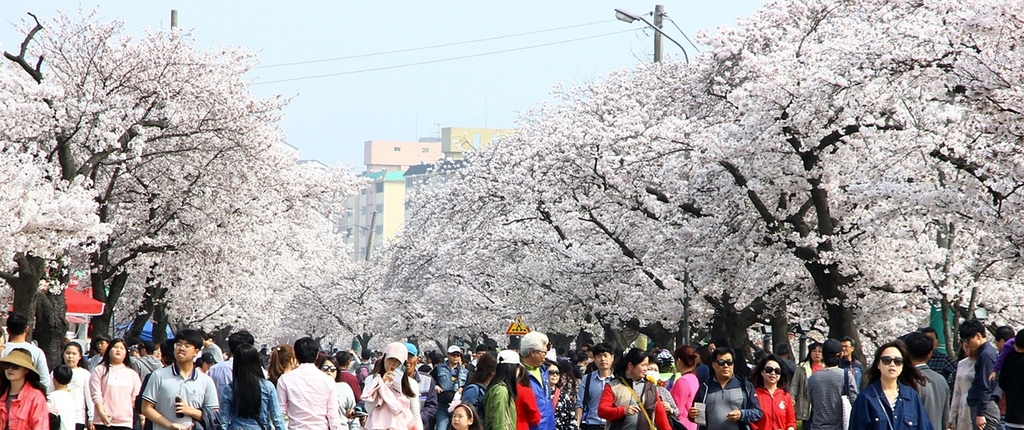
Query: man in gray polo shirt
[{"x": 177, "y": 394}]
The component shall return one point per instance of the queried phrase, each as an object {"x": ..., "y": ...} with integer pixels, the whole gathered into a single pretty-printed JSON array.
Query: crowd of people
[{"x": 187, "y": 382}]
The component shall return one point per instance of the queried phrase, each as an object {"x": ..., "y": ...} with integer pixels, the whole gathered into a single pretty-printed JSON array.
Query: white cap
[
  {"x": 396, "y": 350},
  {"x": 454, "y": 348},
  {"x": 508, "y": 356}
]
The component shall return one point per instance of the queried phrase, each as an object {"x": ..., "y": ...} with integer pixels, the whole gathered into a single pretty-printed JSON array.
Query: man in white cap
[{"x": 450, "y": 376}]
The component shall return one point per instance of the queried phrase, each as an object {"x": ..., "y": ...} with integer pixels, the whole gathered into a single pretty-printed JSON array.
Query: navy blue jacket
[
  {"x": 871, "y": 410},
  {"x": 982, "y": 389}
]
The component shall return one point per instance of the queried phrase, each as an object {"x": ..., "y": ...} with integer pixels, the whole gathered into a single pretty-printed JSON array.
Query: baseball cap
[
  {"x": 831, "y": 347},
  {"x": 396, "y": 350},
  {"x": 453, "y": 349},
  {"x": 412, "y": 349},
  {"x": 508, "y": 356}
]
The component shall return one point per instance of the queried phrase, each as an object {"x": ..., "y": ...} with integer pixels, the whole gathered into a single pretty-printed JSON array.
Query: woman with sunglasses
[
  {"x": 890, "y": 401},
  {"x": 770, "y": 384},
  {"x": 23, "y": 398},
  {"x": 346, "y": 397}
]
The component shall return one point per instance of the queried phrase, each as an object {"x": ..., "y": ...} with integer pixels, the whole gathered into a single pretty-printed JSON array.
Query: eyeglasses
[
  {"x": 552, "y": 372},
  {"x": 11, "y": 366},
  {"x": 724, "y": 362},
  {"x": 886, "y": 360},
  {"x": 329, "y": 368},
  {"x": 768, "y": 370}
]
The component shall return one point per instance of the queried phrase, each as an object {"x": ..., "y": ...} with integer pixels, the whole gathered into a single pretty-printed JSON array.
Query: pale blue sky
[{"x": 331, "y": 117}]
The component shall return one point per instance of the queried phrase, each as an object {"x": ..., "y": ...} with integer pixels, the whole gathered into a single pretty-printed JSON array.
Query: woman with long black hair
[
  {"x": 890, "y": 401},
  {"x": 500, "y": 397},
  {"x": 387, "y": 392},
  {"x": 250, "y": 400},
  {"x": 114, "y": 385}
]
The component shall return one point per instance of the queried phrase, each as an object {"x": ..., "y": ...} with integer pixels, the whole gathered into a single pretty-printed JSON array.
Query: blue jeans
[{"x": 442, "y": 418}]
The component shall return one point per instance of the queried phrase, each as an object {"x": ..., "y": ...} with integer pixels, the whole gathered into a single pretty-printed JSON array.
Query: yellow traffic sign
[{"x": 517, "y": 328}]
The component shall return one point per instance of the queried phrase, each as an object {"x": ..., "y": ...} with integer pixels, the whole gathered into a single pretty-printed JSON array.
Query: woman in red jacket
[
  {"x": 527, "y": 412},
  {"x": 19, "y": 385},
  {"x": 629, "y": 402},
  {"x": 770, "y": 384}
]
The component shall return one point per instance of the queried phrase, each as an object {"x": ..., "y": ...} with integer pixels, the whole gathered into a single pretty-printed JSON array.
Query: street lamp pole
[
  {"x": 659, "y": 14},
  {"x": 659, "y": 10}
]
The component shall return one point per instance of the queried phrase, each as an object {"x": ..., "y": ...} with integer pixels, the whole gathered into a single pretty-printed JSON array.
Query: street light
[{"x": 659, "y": 13}]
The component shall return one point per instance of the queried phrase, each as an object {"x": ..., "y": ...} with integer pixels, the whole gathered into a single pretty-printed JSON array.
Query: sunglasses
[
  {"x": 891, "y": 360},
  {"x": 552, "y": 372},
  {"x": 724, "y": 362},
  {"x": 768, "y": 370},
  {"x": 11, "y": 366},
  {"x": 329, "y": 368}
]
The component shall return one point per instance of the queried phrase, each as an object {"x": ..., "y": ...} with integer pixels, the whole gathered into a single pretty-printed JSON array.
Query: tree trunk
[
  {"x": 780, "y": 328},
  {"x": 615, "y": 337},
  {"x": 160, "y": 323},
  {"x": 560, "y": 341},
  {"x": 731, "y": 324},
  {"x": 839, "y": 317},
  {"x": 31, "y": 270},
  {"x": 659, "y": 335},
  {"x": 104, "y": 324},
  {"x": 51, "y": 326},
  {"x": 364, "y": 340}
]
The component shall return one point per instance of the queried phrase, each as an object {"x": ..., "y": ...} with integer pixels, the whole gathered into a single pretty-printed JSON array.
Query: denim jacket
[
  {"x": 871, "y": 410},
  {"x": 270, "y": 410},
  {"x": 451, "y": 379}
]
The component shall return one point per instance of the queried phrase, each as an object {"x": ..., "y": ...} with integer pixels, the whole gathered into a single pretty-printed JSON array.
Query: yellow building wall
[{"x": 456, "y": 141}]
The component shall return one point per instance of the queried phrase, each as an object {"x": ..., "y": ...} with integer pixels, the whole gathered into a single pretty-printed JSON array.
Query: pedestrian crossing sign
[{"x": 517, "y": 328}]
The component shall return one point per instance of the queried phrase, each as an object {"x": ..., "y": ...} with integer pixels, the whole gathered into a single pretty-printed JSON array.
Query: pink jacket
[
  {"x": 683, "y": 391},
  {"x": 116, "y": 392},
  {"x": 388, "y": 409},
  {"x": 28, "y": 411}
]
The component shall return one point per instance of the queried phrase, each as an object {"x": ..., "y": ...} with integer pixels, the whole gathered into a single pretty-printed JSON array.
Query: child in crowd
[
  {"x": 60, "y": 401},
  {"x": 464, "y": 417}
]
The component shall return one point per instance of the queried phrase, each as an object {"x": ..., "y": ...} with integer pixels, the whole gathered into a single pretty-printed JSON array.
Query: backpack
[{"x": 362, "y": 372}]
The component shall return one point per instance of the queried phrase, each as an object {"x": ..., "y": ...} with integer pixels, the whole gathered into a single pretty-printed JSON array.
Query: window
[
  {"x": 476, "y": 141},
  {"x": 380, "y": 209},
  {"x": 378, "y": 187},
  {"x": 425, "y": 150},
  {"x": 379, "y": 230},
  {"x": 398, "y": 149}
]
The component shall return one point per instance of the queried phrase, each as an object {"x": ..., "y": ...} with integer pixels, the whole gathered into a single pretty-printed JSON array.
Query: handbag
[
  {"x": 847, "y": 407},
  {"x": 641, "y": 405}
]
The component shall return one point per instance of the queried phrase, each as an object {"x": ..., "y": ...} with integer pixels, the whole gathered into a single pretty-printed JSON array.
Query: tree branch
[{"x": 34, "y": 72}]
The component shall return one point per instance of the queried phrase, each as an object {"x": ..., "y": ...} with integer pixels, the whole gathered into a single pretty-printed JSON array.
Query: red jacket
[
  {"x": 607, "y": 410},
  {"x": 28, "y": 411},
  {"x": 778, "y": 410},
  {"x": 527, "y": 413}
]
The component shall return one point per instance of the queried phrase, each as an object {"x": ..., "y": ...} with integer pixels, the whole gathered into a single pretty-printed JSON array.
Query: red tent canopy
[{"x": 82, "y": 304}]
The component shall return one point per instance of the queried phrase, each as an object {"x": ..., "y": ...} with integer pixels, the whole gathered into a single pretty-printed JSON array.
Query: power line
[
  {"x": 443, "y": 45},
  {"x": 374, "y": 69},
  {"x": 683, "y": 33}
]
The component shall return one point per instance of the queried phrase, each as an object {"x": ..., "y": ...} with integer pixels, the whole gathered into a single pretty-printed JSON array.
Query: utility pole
[
  {"x": 659, "y": 11},
  {"x": 369, "y": 234},
  {"x": 174, "y": 18}
]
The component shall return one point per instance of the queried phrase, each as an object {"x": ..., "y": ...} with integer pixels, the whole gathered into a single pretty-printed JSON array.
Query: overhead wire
[
  {"x": 443, "y": 45},
  {"x": 461, "y": 57},
  {"x": 682, "y": 32}
]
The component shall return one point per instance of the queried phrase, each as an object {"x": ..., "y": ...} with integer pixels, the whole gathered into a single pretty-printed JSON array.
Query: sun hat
[
  {"x": 396, "y": 350},
  {"x": 20, "y": 357},
  {"x": 508, "y": 356}
]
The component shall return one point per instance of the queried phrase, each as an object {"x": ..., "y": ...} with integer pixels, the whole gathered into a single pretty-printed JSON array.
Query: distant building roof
[{"x": 444, "y": 166}]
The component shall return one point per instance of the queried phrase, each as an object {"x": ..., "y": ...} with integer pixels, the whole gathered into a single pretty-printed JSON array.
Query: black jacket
[{"x": 1011, "y": 380}]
